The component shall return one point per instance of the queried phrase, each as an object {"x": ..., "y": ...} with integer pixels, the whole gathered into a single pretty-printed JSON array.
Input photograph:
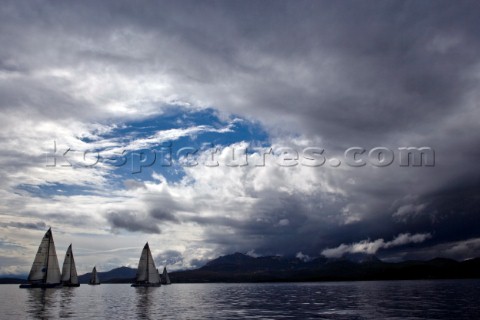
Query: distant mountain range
[
  {"x": 240, "y": 267},
  {"x": 117, "y": 275}
]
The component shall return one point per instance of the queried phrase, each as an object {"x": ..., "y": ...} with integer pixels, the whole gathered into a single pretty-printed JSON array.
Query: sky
[{"x": 208, "y": 128}]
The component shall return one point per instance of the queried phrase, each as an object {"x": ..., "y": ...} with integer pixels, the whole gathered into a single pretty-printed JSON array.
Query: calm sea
[{"x": 450, "y": 299}]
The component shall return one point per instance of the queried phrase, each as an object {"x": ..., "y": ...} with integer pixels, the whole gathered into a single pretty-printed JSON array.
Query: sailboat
[
  {"x": 45, "y": 272},
  {"x": 94, "y": 279},
  {"x": 69, "y": 271},
  {"x": 147, "y": 274},
  {"x": 165, "y": 277}
]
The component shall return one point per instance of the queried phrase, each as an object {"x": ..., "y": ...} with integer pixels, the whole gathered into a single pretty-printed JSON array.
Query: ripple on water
[{"x": 449, "y": 299}]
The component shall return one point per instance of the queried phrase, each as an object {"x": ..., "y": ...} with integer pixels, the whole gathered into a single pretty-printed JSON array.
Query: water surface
[{"x": 445, "y": 299}]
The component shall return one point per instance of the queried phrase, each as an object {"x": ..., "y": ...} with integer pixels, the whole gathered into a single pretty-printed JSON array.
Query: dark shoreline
[
  {"x": 240, "y": 268},
  {"x": 23, "y": 281}
]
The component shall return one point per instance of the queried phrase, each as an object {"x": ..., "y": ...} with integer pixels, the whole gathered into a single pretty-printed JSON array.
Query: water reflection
[
  {"x": 457, "y": 299},
  {"x": 41, "y": 303},
  {"x": 144, "y": 301},
  {"x": 66, "y": 297}
]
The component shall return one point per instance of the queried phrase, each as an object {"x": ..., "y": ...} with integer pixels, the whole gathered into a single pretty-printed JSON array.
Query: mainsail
[
  {"x": 94, "y": 279},
  {"x": 147, "y": 272},
  {"x": 69, "y": 271},
  {"x": 45, "y": 268},
  {"x": 165, "y": 277}
]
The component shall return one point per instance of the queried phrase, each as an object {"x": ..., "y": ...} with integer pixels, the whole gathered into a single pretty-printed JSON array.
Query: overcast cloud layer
[{"x": 299, "y": 74}]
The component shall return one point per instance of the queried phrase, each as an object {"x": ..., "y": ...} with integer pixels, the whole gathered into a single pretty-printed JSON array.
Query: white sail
[
  {"x": 53, "y": 270},
  {"x": 39, "y": 266},
  {"x": 69, "y": 271},
  {"x": 153, "y": 276},
  {"x": 146, "y": 271},
  {"x": 67, "y": 265},
  {"x": 142, "y": 274},
  {"x": 45, "y": 265},
  {"x": 94, "y": 279},
  {"x": 73, "y": 272},
  {"x": 165, "y": 277}
]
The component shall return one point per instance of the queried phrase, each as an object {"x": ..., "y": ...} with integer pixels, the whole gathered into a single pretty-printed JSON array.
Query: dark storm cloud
[
  {"x": 452, "y": 214},
  {"x": 351, "y": 72},
  {"x": 27, "y": 225},
  {"x": 163, "y": 215},
  {"x": 132, "y": 221},
  {"x": 198, "y": 263},
  {"x": 53, "y": 218},
  {"x": 389, "y": 73},
  {"x": 285, "y": 225},
  {"x": 363, "y": 68}
]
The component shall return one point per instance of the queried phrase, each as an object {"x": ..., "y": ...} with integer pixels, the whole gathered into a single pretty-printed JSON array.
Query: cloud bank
[
  {"x": 372, "y": 247},
  {"x": 115, "y": 76}
]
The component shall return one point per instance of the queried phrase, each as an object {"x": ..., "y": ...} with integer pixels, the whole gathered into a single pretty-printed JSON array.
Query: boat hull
[
  {"x": 145, "y": 285},
  {"x": 40, "y": 285},
  {"x": 71, "y": 285}
]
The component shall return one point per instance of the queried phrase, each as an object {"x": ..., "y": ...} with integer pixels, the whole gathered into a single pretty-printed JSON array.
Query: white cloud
[
  {"x": 253, "y": 254},
  {"x": 168, "y": 135},
  {"x": 371, "y": 247},
  {"x": 303, "y": 257},
  {"x": 74, "y": 80}
]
